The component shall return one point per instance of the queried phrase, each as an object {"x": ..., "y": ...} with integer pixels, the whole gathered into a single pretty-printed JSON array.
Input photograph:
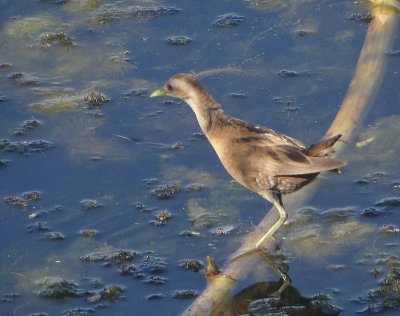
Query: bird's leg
[
  {"x": 277, "y": 200},
  {"x": 286, "y": 281}
]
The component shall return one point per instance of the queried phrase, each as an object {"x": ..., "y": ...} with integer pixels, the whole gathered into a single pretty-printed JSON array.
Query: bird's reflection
[{"x": 277, "y": 297}]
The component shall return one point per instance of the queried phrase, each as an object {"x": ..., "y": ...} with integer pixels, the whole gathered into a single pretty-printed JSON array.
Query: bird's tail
[{"x": 323, "y": 148}]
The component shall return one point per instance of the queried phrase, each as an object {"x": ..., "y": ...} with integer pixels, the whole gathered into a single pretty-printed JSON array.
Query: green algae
[
  {"x": 55, "y": 105},
  {"x": 90, "y": 4},
  {"x": 69, "y": 101},
  {"x": 28, "y": 26}
]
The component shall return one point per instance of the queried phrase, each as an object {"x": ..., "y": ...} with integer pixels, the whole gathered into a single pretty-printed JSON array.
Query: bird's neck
[{"x": 206, "y": 109}]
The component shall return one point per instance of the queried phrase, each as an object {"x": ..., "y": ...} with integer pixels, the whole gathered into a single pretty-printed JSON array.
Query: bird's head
[{"x": 181, "y": 86}]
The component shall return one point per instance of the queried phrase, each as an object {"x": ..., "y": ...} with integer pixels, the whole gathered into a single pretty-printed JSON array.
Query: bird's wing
[
  {"x": 260, "y": 134},
  {"x": 264, "y": 155},
  {"x": 291, "y": 161}
]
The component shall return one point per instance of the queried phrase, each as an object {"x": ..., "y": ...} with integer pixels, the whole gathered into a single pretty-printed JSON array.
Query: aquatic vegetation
[
  {"x": 49, "y": 39},
  {"x": 147, "y": 268},
  {"x": 108, "y": 293},
  {"x": 105, "y": 17},
  {"x": 153, "y": 264},
  {"x": 68, "y": 100},
  {"x": 40, "y": 213},
  {"x": 193, "y": 187},
  {"x": 259, "y": 299},
  {"x": 95, "y": 98},
  {"x": 390, "y": 229},
  {"x": 372, "y": 212},
  {"x": 88, "y": 204},
  {"x": 149, "y": 265},
  {"x": 267, "y": 4},
  {"x": 389, "y": 202},
  {"x": 144, "y": 12},
  {"x": 167, "y": 191},
  {"x": 383, "y": 299},
  {"x": 141, "y": 207},
  {"x": 55, "y": 287},
  {"x": 95, "y": 113},
  {"x": 155, "y": 296},
  {"x": 123, "y": 60},
  {"x": 110, "y": 256},
  {"x": 364, "y": 17},
  {"x": 137, "y": 92},
  {"x": 161, "y": 218},
  {"x": 228, "y": 20},
  {"x": 5, "y": 66},
  {"x": 179, "y": 40},
  {"x": 60, "y": 288},
  {"x": 132, "y": 270},
  {"x": 90, "y": 4},
  {"x": 191, "y": 265},
  {"x": 27, "y": 26},
  {"x": 32, "y": 195},
  {"x": 369, "y": 178},
  {"x": 302, "y": 32},
  {"x": 184, "y": 294},
  {"x": 189, "y": 233},
  {"x": 25, "y": 147},
  {"x": 66, "y": 104},
  {"x": 80, "y": 311},
  {"x": 88, "y": 233},
  {"x": 55, "y": 236},
  {"x": 222, "y": 230},
  {"x": 287, "y": 73},
  {"x": 108, "y": 13},
  {"x": 38, "y": 227},
  {"x": 16, "y": 201},
  {"x": 154, "y": 280},
  {"x": 27, "y": 126},
  {"x": 24, "y": 79}
]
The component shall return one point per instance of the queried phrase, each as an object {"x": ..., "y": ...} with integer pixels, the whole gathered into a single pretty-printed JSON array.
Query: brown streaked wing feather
[
  {"x": 259, "y": 133},
  {"x": 295, "y": 162},
  {"x": 279, "y": 160},
  {"x": 271, "y": 139}
]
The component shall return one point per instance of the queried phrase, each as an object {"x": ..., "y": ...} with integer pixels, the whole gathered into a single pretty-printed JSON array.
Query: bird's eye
[{"x": 168, "y": 87}]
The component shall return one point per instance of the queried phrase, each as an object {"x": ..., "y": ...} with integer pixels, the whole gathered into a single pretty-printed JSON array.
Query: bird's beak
[{"x": 158, "y": 93}]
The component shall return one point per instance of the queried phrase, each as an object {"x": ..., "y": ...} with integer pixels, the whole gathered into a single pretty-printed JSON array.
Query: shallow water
[{"x": 119, "y": 151}]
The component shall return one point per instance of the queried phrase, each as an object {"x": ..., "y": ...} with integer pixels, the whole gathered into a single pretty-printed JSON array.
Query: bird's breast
[{"x": 230, "y": 159}]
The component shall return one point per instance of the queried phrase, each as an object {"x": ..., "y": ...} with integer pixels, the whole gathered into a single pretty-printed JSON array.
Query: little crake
[{"x": 261, "y": 159}]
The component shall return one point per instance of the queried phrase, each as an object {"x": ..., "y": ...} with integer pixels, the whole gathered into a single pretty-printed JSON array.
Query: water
[{"x": 110, "y": 158}]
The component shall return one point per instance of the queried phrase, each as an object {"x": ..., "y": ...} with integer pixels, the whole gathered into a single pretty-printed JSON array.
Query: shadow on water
[{"x": 111, "y": 201}]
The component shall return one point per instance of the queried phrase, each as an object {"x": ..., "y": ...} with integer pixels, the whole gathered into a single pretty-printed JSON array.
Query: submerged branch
[{"x": 360, "y": 95}]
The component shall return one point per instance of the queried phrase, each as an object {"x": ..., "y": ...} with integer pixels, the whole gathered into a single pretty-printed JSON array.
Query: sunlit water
[{"x": 110, "y": 156}]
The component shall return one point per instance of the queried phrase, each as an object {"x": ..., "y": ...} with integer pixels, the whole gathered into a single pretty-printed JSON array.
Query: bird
[{"x": 265, "y": 161}]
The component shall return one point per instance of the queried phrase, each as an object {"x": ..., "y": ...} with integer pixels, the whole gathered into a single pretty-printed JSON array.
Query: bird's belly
[{"x": 288, "y": 184}]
